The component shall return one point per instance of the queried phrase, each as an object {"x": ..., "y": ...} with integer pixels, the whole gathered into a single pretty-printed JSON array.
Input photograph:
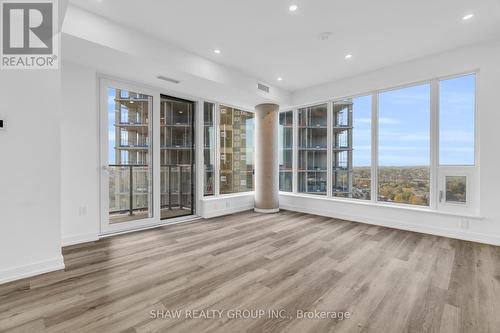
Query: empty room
[{"x": 249, "y": 166}]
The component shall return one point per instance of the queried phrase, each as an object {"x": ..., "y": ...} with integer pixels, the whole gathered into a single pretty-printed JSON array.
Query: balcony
[{"x": 130, "y": 192}]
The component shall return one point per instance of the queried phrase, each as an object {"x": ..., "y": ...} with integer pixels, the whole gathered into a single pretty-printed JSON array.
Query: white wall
[
  {"x": 79, "y": 155},
  {"x": 30, "y": 181},
  {"x": 30, "y": 231},
  {"x": 485, "y": 58},
  {"x": 223, "y": 205}
]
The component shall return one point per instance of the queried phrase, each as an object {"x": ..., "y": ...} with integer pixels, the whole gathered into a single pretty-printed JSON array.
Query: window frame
[
  {"x": 476, "y": 119},
  {"x": 293, "y": 149},
  {"x": 202, "y": 145},
  {"x": 436, "y": 170},
  {"x": 433, "y": 150},
  {"x": 471, "y": 207},
  {"x": 372, "y": 112},
  {"x": 217, "y": 193},
  {"x": 328, "y": 149}
]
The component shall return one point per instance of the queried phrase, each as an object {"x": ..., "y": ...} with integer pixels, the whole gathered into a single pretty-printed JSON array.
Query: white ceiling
[{"x": 263, "y": 39}]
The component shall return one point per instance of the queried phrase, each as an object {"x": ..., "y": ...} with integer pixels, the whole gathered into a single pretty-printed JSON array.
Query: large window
[
  {"x": 236, "y": 150},
  {"x": 457, "y": 103},
  {"x": 404, "y": 145},
  {"x": 412, "y": 145},
  {"x": 351, "y": 174},
  {"x": 286, "y": 150},
  {"x": 312, "y": 164}
]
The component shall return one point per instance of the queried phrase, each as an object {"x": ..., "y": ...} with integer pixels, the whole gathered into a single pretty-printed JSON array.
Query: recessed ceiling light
[
  {"x": 217, "y": 51},
  {"x": 467, "y": 17},
  {"x": 293, "y": 8},
  {"x": 279, "y": 78},
  {"x": 348, "y": 56}
]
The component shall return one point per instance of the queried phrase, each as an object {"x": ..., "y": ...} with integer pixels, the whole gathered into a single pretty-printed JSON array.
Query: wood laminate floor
[{"x": 389, "y": 280}]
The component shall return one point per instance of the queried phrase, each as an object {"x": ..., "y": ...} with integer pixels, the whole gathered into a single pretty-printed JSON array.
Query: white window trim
[
  {"x": 294, "y": 144},
  {"x": 217, "y": 194}
]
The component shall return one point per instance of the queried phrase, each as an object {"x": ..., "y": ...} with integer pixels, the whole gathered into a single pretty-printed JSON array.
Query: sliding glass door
[
  {"x": 177, "y": 157},
  {"x": 147, "y": 157}
]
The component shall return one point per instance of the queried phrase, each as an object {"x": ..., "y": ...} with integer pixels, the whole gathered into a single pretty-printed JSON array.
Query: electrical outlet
[
  {"x": 82, "y": 211},
  {"x": 464, "y": 224}
]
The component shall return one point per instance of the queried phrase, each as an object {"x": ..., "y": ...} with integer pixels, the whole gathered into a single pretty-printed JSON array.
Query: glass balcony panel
[{"x": 129, "y": 159}]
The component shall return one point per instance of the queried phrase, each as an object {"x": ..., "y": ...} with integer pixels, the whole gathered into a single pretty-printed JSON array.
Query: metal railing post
[
  {"x": 180, "y": 187},
  {"x": 131, "y": 198},
  {"x": 169, "y": 187}
]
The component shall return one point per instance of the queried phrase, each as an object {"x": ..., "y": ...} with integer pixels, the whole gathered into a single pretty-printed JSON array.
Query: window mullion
[
  {"x": 434, "y": 144},
  {"x": 375, "y": 149},
  {"x": 295, "y": 152},
  {"x": 329, "y": 152},
  {"x": 217, "y": 150}
]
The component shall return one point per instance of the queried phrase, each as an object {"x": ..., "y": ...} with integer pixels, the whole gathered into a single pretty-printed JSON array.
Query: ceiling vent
[
  {"x": 168, "y": 79},
  {"x": 262, "y": 87}
]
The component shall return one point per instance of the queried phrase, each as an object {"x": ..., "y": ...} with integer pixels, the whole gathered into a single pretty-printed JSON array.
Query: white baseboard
[
  {"x": 266, "y": 211},
  {"x": 78, "y": 239},
  {"x": 30, "y": 270},
  {"x": 227, "y": 211},
  {"x": 387, "y": 222}
]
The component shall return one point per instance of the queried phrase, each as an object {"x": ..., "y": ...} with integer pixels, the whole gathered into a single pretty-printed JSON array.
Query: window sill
[{"x": 426, "y": 210}]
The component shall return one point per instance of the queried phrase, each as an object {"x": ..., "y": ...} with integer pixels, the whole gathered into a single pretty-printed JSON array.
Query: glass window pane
[
  {"x": 176, "y": 158},
  {"x": 312, "y": 172},
  {"x": 456, "y": 189},
  {"x": 286, "y": 150},
  {"x": 209, "y": 147},
  {"x": 129, "y": 159},
  {"x": 404, "y": 141},
  {"x": 352, "y": 148},
  {"x": 236, "y": 150},
  {"x": 457, "y": 100},
  {"x": 342, "y": 148}
]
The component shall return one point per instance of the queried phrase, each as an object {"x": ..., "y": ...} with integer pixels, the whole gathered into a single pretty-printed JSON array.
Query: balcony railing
[{"x": 130, "y": 187}]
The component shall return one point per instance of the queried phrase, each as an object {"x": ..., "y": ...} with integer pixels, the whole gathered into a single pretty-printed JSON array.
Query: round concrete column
[{"x": 266, "y": 158}]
